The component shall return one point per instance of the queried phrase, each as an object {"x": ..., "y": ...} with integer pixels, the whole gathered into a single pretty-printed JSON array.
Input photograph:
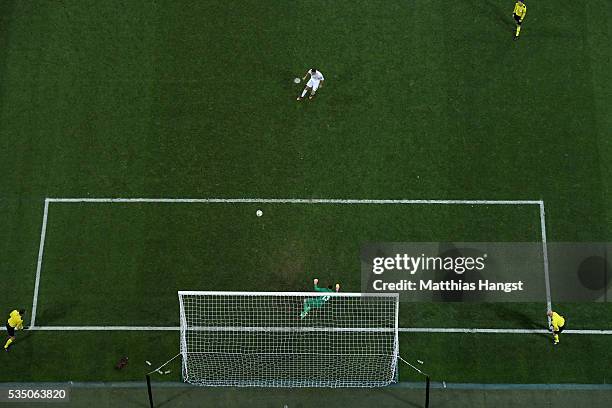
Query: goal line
[{"x": 401, "y": 329}]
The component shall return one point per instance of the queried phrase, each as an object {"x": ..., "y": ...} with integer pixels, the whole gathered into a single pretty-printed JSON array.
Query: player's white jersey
[
  {"x": 315, "y": 79},
  {"x": 316, "y": 76}
]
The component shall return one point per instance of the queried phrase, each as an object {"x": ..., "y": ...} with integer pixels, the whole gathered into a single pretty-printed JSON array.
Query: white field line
[
  {"x": 41, "y": 248},
  {"x": 264, "y": 201},
  {"x": 290, "y": 201},
  {"x": 401, "y": 330},
  {"x": 105, "y": 328},
  {"x": 545, "y": 255}
]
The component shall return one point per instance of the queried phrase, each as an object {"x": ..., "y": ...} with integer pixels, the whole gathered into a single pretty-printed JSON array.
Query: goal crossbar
[
  {"x": 237, "y": 293},
  {"x": 290, "y": 329}
]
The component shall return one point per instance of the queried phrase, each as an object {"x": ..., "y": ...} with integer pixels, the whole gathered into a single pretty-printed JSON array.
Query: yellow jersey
[
  {"x": 557, "y": 321},
  {"x": 520, "y": 9},
  {"x": 15, "y": 320}
]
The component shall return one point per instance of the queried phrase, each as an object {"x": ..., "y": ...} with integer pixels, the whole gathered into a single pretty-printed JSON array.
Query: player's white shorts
[{"x": 313, "y": 83}]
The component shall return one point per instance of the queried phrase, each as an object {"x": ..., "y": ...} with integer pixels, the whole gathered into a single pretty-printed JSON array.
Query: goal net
[{"x": 261, "y": 339}]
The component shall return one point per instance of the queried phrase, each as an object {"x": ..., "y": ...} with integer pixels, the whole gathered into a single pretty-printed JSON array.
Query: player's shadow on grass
[
  {"x": 23, "y": 336},
  {"x": 524, "y": 321},
  {"x": 54, "y": 313},
  {"x": 286, "y": 79},
  {"x": 501, "y": 15}
]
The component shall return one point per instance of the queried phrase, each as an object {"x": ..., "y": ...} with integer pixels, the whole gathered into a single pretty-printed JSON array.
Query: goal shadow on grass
[{"x": 403, "y": 400}]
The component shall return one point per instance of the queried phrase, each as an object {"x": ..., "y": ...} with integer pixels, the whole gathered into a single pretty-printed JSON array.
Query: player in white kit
[{"x": 315, "y": 82}]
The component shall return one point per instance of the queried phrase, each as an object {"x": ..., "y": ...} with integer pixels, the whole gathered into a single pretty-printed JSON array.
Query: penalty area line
[
  {"x": 401, "y": 330},
  {"x": 290, "y": 201},
  {"x": 41, "y": 249}
]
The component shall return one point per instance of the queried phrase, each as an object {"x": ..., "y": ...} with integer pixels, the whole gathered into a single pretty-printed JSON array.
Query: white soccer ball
[
  {"x": 297, "y": 80},
  {"x": 259, "y": 213}
]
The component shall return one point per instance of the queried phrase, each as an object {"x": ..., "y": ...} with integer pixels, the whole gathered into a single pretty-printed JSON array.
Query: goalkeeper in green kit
[{"x": 320, "y": 301}]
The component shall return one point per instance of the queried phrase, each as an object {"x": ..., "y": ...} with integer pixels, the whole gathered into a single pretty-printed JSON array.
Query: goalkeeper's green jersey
[
  {"x": 317, "y": 288},
  {"x": 321, "y": 299}
]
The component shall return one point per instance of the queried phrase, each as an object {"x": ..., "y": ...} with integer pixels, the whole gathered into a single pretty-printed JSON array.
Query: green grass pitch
[{"x": 422, "y": 100}]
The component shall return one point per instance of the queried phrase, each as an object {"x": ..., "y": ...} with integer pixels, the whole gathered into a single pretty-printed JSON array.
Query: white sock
[{"x": 304, "y": 93}]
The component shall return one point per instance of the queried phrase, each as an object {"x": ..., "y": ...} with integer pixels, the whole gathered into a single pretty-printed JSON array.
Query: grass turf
[
  {"x": 195, "y": 99},
  {"x": 480, "y": 358}
]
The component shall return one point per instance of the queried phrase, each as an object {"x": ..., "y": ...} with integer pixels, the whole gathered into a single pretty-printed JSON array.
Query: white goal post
[{"x": 289, "y": 339}]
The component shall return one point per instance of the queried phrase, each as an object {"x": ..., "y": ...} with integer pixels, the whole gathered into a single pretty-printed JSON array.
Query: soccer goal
[{"x": 264, "y": 339}]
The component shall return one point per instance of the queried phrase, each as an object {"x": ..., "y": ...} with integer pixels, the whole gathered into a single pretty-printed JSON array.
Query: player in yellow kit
[
  {"x": 15, "y": 322},
  {"x": 520, "y": 10},
  {"x": 557, "y": 324}
]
